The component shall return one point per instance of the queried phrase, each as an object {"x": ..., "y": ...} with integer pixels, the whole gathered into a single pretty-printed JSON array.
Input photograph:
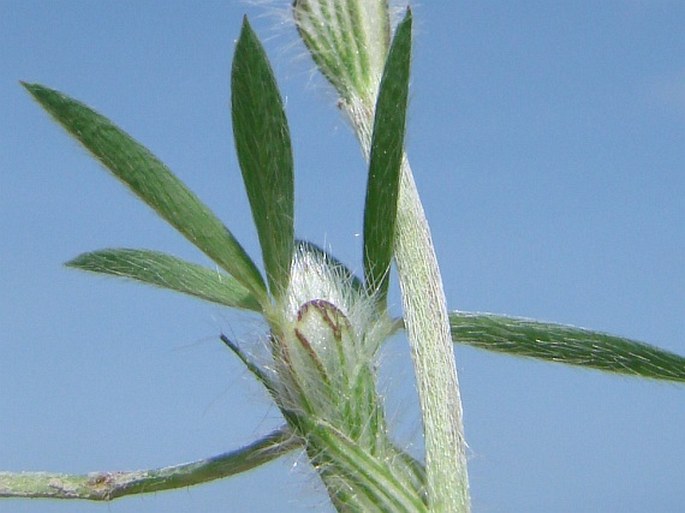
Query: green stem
[
  {"x": 106, "y": 486},
  {"x": 423, "y": 298},
  {"x": 428, "y": 330}
]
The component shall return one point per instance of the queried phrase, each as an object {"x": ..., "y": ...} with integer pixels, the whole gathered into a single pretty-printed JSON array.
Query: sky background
[{"x": 548, "y": 143}]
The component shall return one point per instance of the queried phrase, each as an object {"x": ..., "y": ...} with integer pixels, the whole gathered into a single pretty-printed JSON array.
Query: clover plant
[{"x": 326, "y": 325}]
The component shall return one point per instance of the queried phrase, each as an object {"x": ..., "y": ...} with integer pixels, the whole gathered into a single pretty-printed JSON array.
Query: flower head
[{"x": 325, "y": 341}]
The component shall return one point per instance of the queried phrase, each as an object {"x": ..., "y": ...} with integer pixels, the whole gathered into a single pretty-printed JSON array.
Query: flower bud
[{"x": 327, "y": 342}]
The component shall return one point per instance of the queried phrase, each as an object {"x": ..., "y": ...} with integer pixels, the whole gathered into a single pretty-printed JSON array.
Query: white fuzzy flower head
[{"x": 327, "y": 341}]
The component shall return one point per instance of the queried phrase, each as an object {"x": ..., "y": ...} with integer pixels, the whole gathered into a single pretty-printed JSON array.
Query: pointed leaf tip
[
  {"x": 166, "y": 271},
  {"x": 566, "y": 344},
  {"x": 152, "y": 182},
  {"x": 385, "y": 162},
  {"x": 262, "y": 140}
]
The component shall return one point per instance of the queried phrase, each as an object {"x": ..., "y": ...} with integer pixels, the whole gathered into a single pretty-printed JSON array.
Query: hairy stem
[
  {"x": 106, "y": 486},
  {"x": 423, "y": 298},
  {"x": 428, "y": 330}
]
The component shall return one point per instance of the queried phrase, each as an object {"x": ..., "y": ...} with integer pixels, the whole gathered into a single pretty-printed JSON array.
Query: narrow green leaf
[
  {"x": 566, "y": 344},
  {"x": 106, "y": 486},
  {"x": 387, "y": 145},
  {"x": 152, "y": 181},
  {"x": 262, "y": 142},
  {"x": 169, "y": 272},
  {"x": 255, "y": 369}
]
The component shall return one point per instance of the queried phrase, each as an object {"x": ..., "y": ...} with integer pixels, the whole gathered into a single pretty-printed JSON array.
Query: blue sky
[{"x": 548, "y": 143}]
